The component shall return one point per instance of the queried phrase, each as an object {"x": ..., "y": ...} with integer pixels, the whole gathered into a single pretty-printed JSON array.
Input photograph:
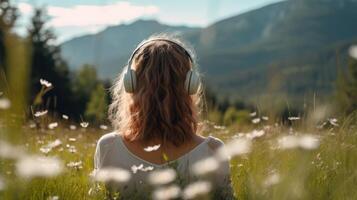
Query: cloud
[
  {"x": 25, "y": 8},
  {"x": 92, "y": 15},
  {"x": 88, "y": 15}
]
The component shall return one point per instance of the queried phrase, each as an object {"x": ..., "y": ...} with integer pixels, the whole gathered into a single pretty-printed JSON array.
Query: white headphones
[{"x": 192, "y": 81}]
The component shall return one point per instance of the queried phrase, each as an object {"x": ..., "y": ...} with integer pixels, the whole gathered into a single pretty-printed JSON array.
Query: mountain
[
  {"x": 291, "y": 42},
  {"x": 290, "y": 47},
  {"x": 110, "y": 49}
]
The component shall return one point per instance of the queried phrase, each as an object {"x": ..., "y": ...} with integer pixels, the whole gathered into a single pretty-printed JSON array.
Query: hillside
[
  {"x": 290, "y": 45},
  {"x": 284, "y": 48},
  {"x": 110, "y": 49}
]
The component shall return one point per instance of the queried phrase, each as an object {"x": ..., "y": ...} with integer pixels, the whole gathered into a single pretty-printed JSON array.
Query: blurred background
[{"x": 281, "y": 58}]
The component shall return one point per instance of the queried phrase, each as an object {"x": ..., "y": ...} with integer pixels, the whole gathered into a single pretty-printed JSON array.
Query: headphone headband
[
  {"x": 156, "y": 39},
  {"x": 192, "y": 80}
]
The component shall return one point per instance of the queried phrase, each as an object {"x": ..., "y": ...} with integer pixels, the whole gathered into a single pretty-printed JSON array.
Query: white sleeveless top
[{"x": 112, "y": 152}]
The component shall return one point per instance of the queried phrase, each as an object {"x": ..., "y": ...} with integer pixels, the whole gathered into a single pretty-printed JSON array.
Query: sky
[{"x": 73, "y": 18}]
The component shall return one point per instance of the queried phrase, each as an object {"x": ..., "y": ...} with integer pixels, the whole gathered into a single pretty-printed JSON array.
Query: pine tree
[
  {"x": 346, "y": 92},
  {"x": 8, "y": 16},
  {"x": 46, "y": 63}
]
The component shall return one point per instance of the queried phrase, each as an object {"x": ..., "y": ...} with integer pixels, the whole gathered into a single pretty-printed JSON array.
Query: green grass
[{"x": 328, "y": 172}]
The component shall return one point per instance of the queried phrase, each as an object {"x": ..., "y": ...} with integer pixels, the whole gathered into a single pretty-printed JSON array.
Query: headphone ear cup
[
  {"x": 130, "y": 81},
  {"x": 192, "y": 82}
]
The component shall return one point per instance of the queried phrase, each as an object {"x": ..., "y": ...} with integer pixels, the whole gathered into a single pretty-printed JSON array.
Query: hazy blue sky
[{"x": 71, "y": 18}]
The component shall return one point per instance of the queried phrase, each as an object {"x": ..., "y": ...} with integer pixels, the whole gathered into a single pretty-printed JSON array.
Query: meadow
[
  {"x": 269, "y": 160},
  {"x": 277, "y": 152}
]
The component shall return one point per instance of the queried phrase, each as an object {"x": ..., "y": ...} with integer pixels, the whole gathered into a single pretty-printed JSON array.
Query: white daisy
[
  {"x": 45, "y": 83},
  {"x": 84, "y": 124},
  {"x": 162, "y": 176},
  {"x": 38, "y": 166},
  {"x": 152, "y": 148},
  {"x": 41, "y": 113}
]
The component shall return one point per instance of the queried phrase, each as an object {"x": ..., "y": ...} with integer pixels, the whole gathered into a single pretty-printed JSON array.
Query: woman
[{"x": 155, "y": 113}]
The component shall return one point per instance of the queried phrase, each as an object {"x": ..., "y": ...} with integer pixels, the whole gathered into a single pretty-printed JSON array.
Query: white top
[{"x": 112, "y": 152}]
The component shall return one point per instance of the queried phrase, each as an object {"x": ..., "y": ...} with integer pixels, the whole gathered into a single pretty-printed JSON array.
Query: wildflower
[
  {"x": 45, "y": 150},
  {"x": 288, "y": 142},
  {"x": 45, "y": 83},
  {"x": 169, "y": 192},
  {"x": 197, "y": 188},
  {"x": 205, "y": 166},
  {"x": 84, "y": 124},
  {"x": 52, "y": 125},
  {"x": 265, "y": 118},
  {"x": 293, "y": 118},
  {"x": 148, "y": 168},
  {"x": 152, "y": 148},
  {"x": 256, "y": 120},
  {"x": 219, "y": 127},
  {"x": 309, "y": 142},
  {"x": 111, "y": 174},
  {"x": 103, "y": 127},
  {"x": 65, "y": 117},
  {"x": 5, "y": 103},
  {"x": 255, "y": 134},
  {"x": 353, "y": 51},
  {"x": 55, "y": 143},
  {"x": 32, "y": 125},
  {"x": 141, "y": 167},
  {"x": 50, "y": 146},
  {"x": 253, "y": 114},
  {"x": 333, "y": 121},
  {"x": 267, "y": 127},
  {"x": 272, "y": 179},
  {"x": 38, "y": 166},
  {"x": 135, "y": 168},
  {"x": 72, "y": 149},
  {"x": 72, "y": 139},
  {"x": 41, "y": 113},
  {"x": 75, "y": 165},
  {"x": 162, "y": 176},
  {"x": 72, "y": 127},
  {"x": 236, "y": 147}
]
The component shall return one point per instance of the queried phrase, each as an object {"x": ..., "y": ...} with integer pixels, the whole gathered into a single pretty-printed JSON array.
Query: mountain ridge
[{"x": 241, "y": 55}]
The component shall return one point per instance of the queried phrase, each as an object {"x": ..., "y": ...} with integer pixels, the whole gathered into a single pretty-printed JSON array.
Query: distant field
[{"x": 321, "y": 165}]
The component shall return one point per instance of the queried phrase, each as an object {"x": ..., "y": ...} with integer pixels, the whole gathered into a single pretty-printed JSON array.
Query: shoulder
[
  {"x": 107, "y": 139},
  {"x": 214, "y": 143}
]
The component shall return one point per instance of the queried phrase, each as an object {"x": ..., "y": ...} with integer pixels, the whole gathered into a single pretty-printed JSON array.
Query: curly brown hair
[{"x": 160, "y": 108}]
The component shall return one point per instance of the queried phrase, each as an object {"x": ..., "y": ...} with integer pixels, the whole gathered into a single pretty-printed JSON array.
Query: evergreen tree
[
  {"x": 8, "y": 16},
  {"x": 346, "y": 93},
  {"x": 46, "y": 63}
]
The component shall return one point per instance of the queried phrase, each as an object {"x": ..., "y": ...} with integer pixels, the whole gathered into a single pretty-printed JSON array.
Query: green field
[{"x": 323, "y": 168}]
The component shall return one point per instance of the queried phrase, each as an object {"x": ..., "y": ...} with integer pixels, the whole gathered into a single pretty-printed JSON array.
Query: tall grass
[{"x": 267, "y": 172}]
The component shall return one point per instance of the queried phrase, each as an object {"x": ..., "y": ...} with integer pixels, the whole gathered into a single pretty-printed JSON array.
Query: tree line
[
  {"x": 78, "y": 94},
  {"x": 81, "y": 94}
]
